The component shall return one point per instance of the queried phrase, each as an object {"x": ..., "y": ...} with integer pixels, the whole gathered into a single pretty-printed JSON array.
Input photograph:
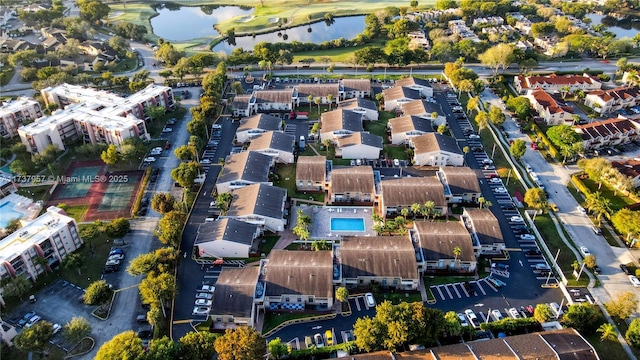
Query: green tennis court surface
[
  {"x": 80, "y": 184},
  {"x": 118, "y": 194}
]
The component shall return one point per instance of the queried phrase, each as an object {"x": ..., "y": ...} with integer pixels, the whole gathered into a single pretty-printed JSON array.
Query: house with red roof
[
  {"x": 556, "y": 83},
  {"x": 607, "y": 133},
  {"x": 549, "y": 108},
  {"x": 608, "y": 101}
]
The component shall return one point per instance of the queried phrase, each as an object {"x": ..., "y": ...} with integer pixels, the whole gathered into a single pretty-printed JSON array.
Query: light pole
[{"x": 508, "y": 177}]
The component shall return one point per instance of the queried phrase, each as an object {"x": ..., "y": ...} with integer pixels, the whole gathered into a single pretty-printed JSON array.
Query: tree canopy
[
  {"x": 241, "y": 343},
  {"x": 126, "y": 345},
  {"x": 536, "y": 198},
  {"x": 76, "y": 329},
  {"x": 563, "y": 136},
  {"x": 36, "y": 337},
  {"x": 97, "y": 293},
  {"x": 518, "y": 148},
  {"x": 163, "y": 202},
  {"x": 582, "y": 317},
  {"x": 622, "y": 306}
]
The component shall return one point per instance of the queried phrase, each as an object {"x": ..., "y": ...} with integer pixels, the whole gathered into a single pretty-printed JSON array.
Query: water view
[
  {"x": 186, "y": 23},
  {"x": 612, "y": 25},
  {"x": 344, "y": 27}
]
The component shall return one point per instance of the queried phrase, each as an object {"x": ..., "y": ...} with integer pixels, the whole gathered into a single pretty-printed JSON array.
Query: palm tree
[
  {"x": 330, "y": 100},
  {"x": 466, "y": 85},
  {"x": 404, "y": 212},
  {"x": 607, "y": 332},
  {"x": 481, "y": 201},
  {"x": 564, "y": 91},
  {"x": 310, "y": 98},
  {"x": 482, "y": 120},
  {"x": 599, "y": 205},
  {"x": 456, "y": 252},
  {"x": 473, "y": 104},
  {"x": 317, "y": 102},
  {"x": 415, "y": 209},
  {"x": 427, "y": 208}
]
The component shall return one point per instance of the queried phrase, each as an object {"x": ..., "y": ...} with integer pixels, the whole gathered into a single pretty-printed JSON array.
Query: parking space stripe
[
  {"x": 446, "y": 287},
  {"x": 491, "y": 286},
  {"x": 439, "y": 291},
  {"x": 464, "y": 289},
  {"x": 455, "y": 288},
  {"x": 480, "y": 286}
]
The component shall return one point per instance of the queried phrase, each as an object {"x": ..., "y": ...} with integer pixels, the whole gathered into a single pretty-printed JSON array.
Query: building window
[
  {"x": 299, "y": 299},
  {"x": 286, "y": 299}
]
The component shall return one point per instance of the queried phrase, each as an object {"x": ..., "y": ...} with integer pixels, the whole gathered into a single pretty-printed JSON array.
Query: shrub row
[
  {"x": 143, "y": 186},
  {"x": 545, "y": 140}
]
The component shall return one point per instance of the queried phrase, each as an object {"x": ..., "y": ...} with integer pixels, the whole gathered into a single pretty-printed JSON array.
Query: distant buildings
[
  {"x": 15, "y": 112},
  {"x": 93, "y": 116},
  {"x": 556, "y": 83}
]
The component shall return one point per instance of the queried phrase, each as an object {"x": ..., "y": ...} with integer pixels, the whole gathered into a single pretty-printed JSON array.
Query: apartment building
[
  {"x": 93, "y": 116},
  {"x": 556, "y": 83},
  {"x": 552, "y": 110},
  {"x": 51, "y": 236},
  {"x": 607, "y": 133},
  {"x": 14, "y": 112},
  {"x": 608, "y": 101}
]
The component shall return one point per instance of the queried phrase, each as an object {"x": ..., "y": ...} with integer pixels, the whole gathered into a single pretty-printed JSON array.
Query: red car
[
  {"x": 534, "y": 146},
  {"x": 167, "y": 145}
]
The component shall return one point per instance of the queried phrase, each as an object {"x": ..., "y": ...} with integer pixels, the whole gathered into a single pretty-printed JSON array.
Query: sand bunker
[{"x": 247, "y": 18}]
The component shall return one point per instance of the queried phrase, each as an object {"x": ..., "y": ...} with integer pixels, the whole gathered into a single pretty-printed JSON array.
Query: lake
[
  {"x": 343, "y": 27},
  {"x": 186, "y": 23},
  {"x": 621, "y": 32}
]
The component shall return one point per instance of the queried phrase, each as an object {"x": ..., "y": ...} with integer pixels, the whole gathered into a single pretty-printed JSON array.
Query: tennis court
[
  {"x": 118, "y": 194},
  {"x": 81, "y": 181}
]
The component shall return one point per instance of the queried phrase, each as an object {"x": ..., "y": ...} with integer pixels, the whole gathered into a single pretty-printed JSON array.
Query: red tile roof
[
  {"x": 609, "y": 127},
  {"x": 548, "y": 102},
  {"x": 623, "y": 92},
  {"x": 553, "y": 79}
]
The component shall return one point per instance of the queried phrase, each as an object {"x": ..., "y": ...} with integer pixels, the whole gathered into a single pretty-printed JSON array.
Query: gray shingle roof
[
  {"x": 360, "y": 138},
  {"x": 227, "y": 229},
  {"x": 340, "y": 119},
  {"x": 438, "y": 239},
  {"x": 300, "y": 272},
  {"x": 358, "y": 102},
  {"x": 435, "y": 142},
  {"x": 381, "y": 256},
  {"x": 273, "y": 140},
  {"x": 248, "y": 165},
  {"x": 258, "y": 199},
  {"x": 418, "y": 107},
  {"x": 260, "y": 121},
  {"x": 412, "y": 81},
  {"x": 235, "y": 289},
  {"x": 407, "y": 123},
  {"x": 400, "y": 92}
]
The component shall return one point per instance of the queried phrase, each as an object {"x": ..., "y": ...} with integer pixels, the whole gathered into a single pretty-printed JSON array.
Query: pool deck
[{"x": 321, "y": 220}]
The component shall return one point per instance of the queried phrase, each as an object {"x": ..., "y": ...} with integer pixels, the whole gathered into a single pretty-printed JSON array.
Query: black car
[
  {"x": 533, "y": 253},
  {"x": 508, "y": 207},
  {"x": 521, "y": 230},
  {"x": 625, "y": 269},
  {"x": 477, "y": 149},
  {"x": 596, "y": 269},
  {"x": 145, "y": 334}
]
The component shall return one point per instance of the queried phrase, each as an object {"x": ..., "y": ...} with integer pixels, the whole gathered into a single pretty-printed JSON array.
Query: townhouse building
[
  {"x": 608, "y": 101},
  {"x": 260, "y": 204},
  {"x": 244, "y": 168},
  {"x": 437, "y": 241},
  {"x": 608, "y": 133},
  {"x": 311, "y": 173},
  {"x": 556, "y": 83},
  {"x": 550, "y": 109},
  {"x": 434, "y": 149}
]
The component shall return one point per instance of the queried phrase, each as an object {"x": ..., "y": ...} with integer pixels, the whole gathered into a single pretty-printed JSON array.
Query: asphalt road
[{"x": 555, "y": 179}]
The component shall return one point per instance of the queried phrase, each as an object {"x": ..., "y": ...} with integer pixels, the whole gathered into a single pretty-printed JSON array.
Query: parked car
[
  {"x": 596, "y": 230},
  {"x": 581, "y": 210},
  {"x": 473, "y": 319},
  {"x": 516, "y": 219},
  {"x": 527, "y": 237},
  {"x": 634, "y": 281},
  {"x": 318, "y": 340},
  {"x": 625, "y": 269},
  {"x": 584, "y": 251},
  {"x": 500, "y": 190},
  {"x": 142, "y": 318},
  {"x": 308, "y": 342},
  {"x": 167, "y": 130},
  {"x": 26, "y": 318},
  {"x": 56, "y": 328},
  {"x": 34, "y": 319},
  {"x": 463, "y": 319},
  {"x": 329, "y": 336},
  {"x": 200, "y": 310},
  {"x": 496, "y": 315},
  {"x": 513, "y": 312},
  {"x": 203, "y": 302},
  {"x": 207, "y": 296},
  {"x": 495, "y": 181},
  {"x": 371, "y": 302},
  {"x": 533, "y": 253},
  {"x": 207, "y": 289},
  {"x": 150, "y": 159}
]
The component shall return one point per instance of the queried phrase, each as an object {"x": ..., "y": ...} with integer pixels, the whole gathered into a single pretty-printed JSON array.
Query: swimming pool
[
  {"x": 347, "y": 224},
  {"x": 7, "y": 214}
]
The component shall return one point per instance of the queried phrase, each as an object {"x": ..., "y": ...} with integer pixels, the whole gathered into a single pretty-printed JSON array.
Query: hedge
[
  {"x": 580, "y": 185},
  {"x": 510, "y": 325},
  {"x": 141, "y": 190},
  {"x": 545, "y": 140},
  {"x": 349, "y": 347}
]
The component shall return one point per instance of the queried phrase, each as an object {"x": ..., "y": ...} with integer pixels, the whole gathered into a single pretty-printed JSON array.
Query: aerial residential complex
[
  {"x": 14, "y": 112},
  {"x": 93, "y": 116}
]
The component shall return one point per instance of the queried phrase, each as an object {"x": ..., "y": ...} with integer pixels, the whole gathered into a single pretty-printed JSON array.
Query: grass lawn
[
  {"x": 76, "y": 211},
  {"x": 612, "y": 349},
  {"x": 40, "y": 192},
  {"x": 618, "y": 201},
  {"x": 380, "y": 127},
  {"x": 395, "y": 152},
  {"x": 550, "y": 236},
  {"x": 273, "y": 319},
  {"x": 126, "y": 65},
  {"x": 53, "y": 353},
  {"x": 6, "y": 75},
  {"x": 287, "y": 179},
  {"x": 501, "y": 163},
  {"x": 340, "y": 55},
  {"x": 268, "y": 242},
  {"x": 398, "y": 297}
]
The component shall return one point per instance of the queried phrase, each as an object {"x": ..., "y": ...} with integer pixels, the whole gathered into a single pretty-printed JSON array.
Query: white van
[{"x": 371, "y": 302}]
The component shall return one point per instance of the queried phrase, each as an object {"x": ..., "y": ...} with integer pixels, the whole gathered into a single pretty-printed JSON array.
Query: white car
[
  {"x": 527, "y": 237},
  {"x": 581, "y": 210},
  {"x": 37, "y": 318},
  {"x": 634, "y": 280},
  {"x": 200, "y": 310},
  {"x": 203, "y": 302},
  {"x": 516, "y": 219},
  {"x": 496, "y": 315},
  {"x": 155, "y": 152},
  {"x": 396, "y": 162},
  {"x": 207, "y": 289},
  {"x": 371, "y": 302},
  {"x": 495, "y": 181},
  {"x": 584, "y": 251},
  {"x": 463, "y": 319},
  {"x": 513, "y": 312},
  {"x": 56, "y": 328},
  {"x": 167, "y": 130},
  {"x": 206, "y": 296},
  {"x": 157, "y": 148},
  {"x": 473, "y": 319},
  {"x": 500, "y": 190},
  {"x": 474, "y": 136},
  {"x": 149, "y": 159}
]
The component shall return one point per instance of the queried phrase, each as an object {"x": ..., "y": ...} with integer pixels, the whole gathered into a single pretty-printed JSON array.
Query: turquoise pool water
[
  {"x": 347, "y": 224},
  {"x": 7, "y": 214}
]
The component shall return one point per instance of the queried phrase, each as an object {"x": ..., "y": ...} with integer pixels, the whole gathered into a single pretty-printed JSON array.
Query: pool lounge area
[
  {"x": 332, "y": 222},
  {"x": 16, "y": 206}
]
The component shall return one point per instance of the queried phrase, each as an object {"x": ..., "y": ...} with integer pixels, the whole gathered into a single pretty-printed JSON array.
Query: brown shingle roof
[
  {"x": 258, "y": 199},
  {"x": 400, "y": 92},
  {"x": 340, "y": 119},
  {"x": 606, "y": 128},
  {"x": 407, "y": 123},
  {"x": 438, "y": 239},
  {"x": 461, "y": 180},
  {"x": 486, "y": 225},
  {"x": 273, "y": 140},
  {"x": 251, "y": 166},
  {"x": 235, "y": 289},
  {"x": 410, "y": 81},
  {"x": 352, "y": 180},
  {"x": 260, "y": 121},
  {"x": 629, "y": 167},
  {"x": 406, "y": 191},
  {"x": 358, "y": 102},
  {"x": 416, "y": 355},
  {"x": 312, "y": 168},
  {"x": 540, "y": 80},
  {"x": 420, "y": 107},
  {"x": 318, "y": 90},
  {"x": 356, "y": 85},
  {"x": 569, "y": 345},
  {"x": 453, "y": 352},
  {"x": 431, "y": 142},
  {"x": 492, "y": 350},
  {"x": 300, "y": 272},
  {"x": 530, "y": 347},
  {"x": 622, "y": 92},
  {"x": 274, "y": 96},
  {"x": 241, "y": 101},
  {"x": 549, "y": 102},
  {"x": 380, "y": 256}
]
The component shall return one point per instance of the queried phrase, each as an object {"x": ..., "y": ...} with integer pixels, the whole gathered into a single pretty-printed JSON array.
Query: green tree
[
  {"x": 111, "y": 155},
  {"x": 498, "y": 56},
  {"x": 626, "y": 222},
  {"x": 35, "y": 338},
  {"x": 142, "y": 264},
  {"x": 582, "y": 317},
  {"x": 518, "y": 148},
  {"x": 18, "y": 167},
  {"x": 184, "y": 153},
  {"x": 162, "y": 349},
  {"x": 596, "y": 169},
  {"x": 240, "y": 343},
  {"x": 97, "y": 293},
  {"x": 536, "y": 198},
  {"x": 520, "y": 105},
  {"x": 17, "y": 287},
  {"x": 496, "y": 116},
  {"x": 117, "y": 228},
  {"x": 452, "y": 324},
  {"x": 93, "y": 10},
  {"x": 126, "y": 345},
  {"x": 473, "y": 104},
  {"x": 74, "y": 261},
  {"x": 482, "y": 120},
  {"x": 277, "y": 349},
  {"x": 155, "y": 112},
  {"x": 158, "y": 289},
  {"x": 186, "y": 173},
  {"x": 320, "y": 245},
  {"x": 197, "y": 127},
  {"x": 622, "y": 306},
  {"x": 563, "y": 136},
  {"x": 598, "y": 205},
  {"x": 342, "y": 294},
  {"x": 543, "y": 313},
  {"x": 446, "y": 4},
  {"x": 76, "y": 329},
  {"x": 224, "y": 201},
  {"x": 198, "y": 345},
  {"x": 163, "y": 202},
  {"x": 608, "y": 332},
  {"x": 633, "y": 333},
  {"x": 590, "y": 261},
  {"x": 170, "y": 228},
  {"x": 368, "y": 333},
  {"x": 168, "y": 54}
]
